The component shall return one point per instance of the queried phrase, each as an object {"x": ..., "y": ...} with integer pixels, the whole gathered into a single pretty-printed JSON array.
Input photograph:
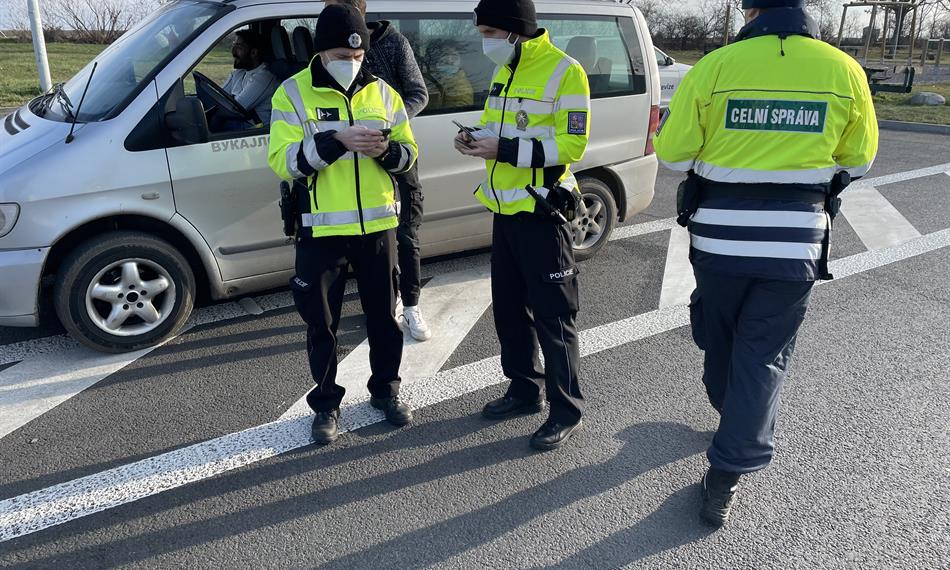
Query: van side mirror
[
  {"x": 187, "y": 123},
  {"x": 670, "y": 60}
]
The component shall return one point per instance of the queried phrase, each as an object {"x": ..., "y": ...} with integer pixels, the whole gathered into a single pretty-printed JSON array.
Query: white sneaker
[{"x": 415, "y": 324}]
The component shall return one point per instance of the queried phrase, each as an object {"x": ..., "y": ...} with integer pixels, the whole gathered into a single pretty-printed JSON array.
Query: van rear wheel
[
  {"x": 124, "y": 291},
  {"x": 595, "y": 219}
]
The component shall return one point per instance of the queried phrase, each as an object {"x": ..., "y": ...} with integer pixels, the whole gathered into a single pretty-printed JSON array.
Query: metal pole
[
  {"x": 867, "y": 41},
  {"x": 923, "y": 54},
  {"x": 844, "y": 16},
  {"x": 39, "y": 45},
  {"x": 940, "y": 52},
  {"x": 887, "y": 19},
  {"x": 728, "y": 26},
  {"x": 913, "y": 38}
]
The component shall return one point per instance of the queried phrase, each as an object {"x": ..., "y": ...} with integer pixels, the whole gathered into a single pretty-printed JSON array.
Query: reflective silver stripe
[
  {"x": 685, "y": 166},
  {"x": 554, "y": 82},
  {"x": 348, "y": 217},
  {"x": 386, "y": 94},
  {"x": 529, "y": 106},
  {"x": 296, "y": 99},
  {"x": 399, "y": 117},
  {"x": 774, "y": 249},
  {"x": 405, "y": 155},
  {"x": 743, "y": 175},
  {"x": 312, "y": 156},
  {"x": 856, "y": 171},
  {"x": 525, "y": 150},
  {"x": 512, "y": 132},
  {"x": 761, "y": 218},
  {"x": 514, "y": 195},
  {"x": 371, "y": 124},
  {"x": 291, "y": 158},
  {"x": 286, "y": 116},
  {"x": 573, "y": 102},
  {"x": 569, "y": 182},
  {"x": 323, "y": 126},
  {"x": 551, "y": 152}
]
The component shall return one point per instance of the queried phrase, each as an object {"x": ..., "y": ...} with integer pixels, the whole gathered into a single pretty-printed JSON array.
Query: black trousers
[
  {"x": 747, "y": 327},
  {"x": 535, "y": 302},
  {"x": 410, "y": 220},
  {"x": 318, "y": 287}
]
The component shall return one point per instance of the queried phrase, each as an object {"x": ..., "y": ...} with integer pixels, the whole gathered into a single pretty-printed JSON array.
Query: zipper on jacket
[
  {"x": 501, "y": 129},
  {"x": 356, "y": 166}
]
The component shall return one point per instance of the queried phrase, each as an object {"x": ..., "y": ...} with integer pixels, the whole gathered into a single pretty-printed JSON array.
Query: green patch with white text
[{"x": 776, "y": 115}]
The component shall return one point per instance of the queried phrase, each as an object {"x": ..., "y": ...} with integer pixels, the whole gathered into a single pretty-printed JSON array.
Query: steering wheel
[{"x": 208, "y": 90}]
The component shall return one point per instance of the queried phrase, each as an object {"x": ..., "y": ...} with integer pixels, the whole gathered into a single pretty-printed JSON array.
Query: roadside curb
[{"x": 915, "y": 127}]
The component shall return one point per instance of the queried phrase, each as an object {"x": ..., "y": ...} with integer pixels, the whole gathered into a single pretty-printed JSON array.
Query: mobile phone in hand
[{"x": 386, "y": 132}]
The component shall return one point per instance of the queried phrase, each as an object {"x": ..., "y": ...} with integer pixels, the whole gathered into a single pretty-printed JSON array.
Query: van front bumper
[
  {"x": 20, "y": 272},
  {"x": 638, "y": 177}
]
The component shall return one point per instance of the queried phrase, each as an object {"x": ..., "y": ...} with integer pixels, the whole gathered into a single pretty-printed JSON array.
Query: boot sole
[
  {"x": 523, "y": 411},
  {"x": 325, "y": 441},
  {"x": 550, "y": 446}
]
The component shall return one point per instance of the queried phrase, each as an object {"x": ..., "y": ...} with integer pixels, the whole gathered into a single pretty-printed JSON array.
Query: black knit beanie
[
  {"x": 341, "y": 26},
  {"x": 516, "y": 16},
  {"x": 748, "y": 4}
]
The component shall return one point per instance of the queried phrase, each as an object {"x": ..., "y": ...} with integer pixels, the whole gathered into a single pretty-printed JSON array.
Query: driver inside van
[{"x": 251, "y": 83}]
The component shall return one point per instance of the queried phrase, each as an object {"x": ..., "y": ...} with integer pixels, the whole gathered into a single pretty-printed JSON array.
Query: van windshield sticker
[{"x": 776, "y": 115}]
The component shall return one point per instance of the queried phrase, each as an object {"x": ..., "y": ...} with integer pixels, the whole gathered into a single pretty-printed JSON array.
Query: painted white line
[
  {"x": 452, "y": 304},
  {"x": 876, "y": 221},
  {"x": 678, "y": 279},
  {"x": 643, "y": 229},
  {"x": 900, "y": 176},
  {"x": 31, "y": 512}
]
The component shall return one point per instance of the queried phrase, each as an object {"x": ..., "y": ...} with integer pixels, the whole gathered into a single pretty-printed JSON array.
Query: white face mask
[
  {"x": 499, "y": 50},
  {"x": 344, "y": 71}
]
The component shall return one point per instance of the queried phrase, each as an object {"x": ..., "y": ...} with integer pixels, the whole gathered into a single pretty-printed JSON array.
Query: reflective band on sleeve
[
  {"x": 288, "y": 117},
  {"x": 748, "y": 176},
  {"x": 573, "y": 102},
  {"x": 856, "y": 171},
  {"x": 761, "y": 218},
  {"x": 324, "y": 126},
  {"x": 404, "y": 157},
  {"x": 516, "y": 194},
  {"x": 551, "y": 152},
  {"x": 349, "y": 217},
  {"x": 371, "y": 124},
  {"x": 778, "y": 250},
  {"x": 554, "y": 82},
  {"x": 678, "y": 166},
  {"x": 293, "y": 93},
  {"x": 293, "y": 150},
  {"x": 525, "y": 150},
  {"x": 313, "y": 157}
]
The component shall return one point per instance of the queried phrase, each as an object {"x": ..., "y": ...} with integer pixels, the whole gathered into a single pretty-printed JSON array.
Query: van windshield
[{"x": 131, "y": 60}]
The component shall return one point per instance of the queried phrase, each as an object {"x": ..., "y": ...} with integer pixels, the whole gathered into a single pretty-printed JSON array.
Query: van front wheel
[
  {"x": 595, "y": 218},
  {"x": 124, "y": 291}
]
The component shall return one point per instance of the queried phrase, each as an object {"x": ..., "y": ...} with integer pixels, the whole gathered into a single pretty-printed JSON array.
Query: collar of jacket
[
  {"x": 378, "y": 30},
  {"x": 321, "y": 79},
  {"x": 529, "y": 49},
  {"x": 780, "y": 22}
]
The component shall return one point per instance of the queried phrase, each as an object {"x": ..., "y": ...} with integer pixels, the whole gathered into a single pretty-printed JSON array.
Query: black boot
[
  {"x": 509, "y": 407},
  {"x": 719, "y": 492},
  {"x": 552, "y": 434},
  {"x": 397, "y": 412},
  {"x": 324, "y": 428}
]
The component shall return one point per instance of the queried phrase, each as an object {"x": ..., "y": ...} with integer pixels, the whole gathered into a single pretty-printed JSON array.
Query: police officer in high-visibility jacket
[
  {"x": 771, "y": 129},
  {"x": 327, "y": 129},
  {"x": 537, "y": 114}
]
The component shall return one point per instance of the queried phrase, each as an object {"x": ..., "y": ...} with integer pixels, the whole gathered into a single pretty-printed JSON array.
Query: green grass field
[{"x": 18, "y": 80}]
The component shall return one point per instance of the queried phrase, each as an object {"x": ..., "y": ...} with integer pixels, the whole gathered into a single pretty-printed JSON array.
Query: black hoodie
[{"x": 391, "y": 59}]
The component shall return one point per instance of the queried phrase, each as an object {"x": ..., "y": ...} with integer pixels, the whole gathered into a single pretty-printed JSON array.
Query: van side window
[
  {"x": 606, "y": 46},
  {"x": 448, "y": 49}
]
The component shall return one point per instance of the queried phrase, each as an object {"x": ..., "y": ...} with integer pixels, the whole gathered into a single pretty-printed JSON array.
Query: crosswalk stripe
[
  {"x": 678, "y": 279},
  {"x": 35, "y": 511},
  {"x": 876, "y": 221}
]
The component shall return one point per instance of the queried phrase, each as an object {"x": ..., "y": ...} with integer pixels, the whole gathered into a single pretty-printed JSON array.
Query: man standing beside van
[
  {"x": 391, "y": 59},
  {"x": 329, "y": 129},
  {"x": 771, "y": 129},
  {"x": 535, "y": 124}
]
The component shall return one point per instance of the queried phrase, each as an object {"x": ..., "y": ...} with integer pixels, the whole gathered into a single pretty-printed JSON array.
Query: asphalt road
[{"x": 861, "y": 477}]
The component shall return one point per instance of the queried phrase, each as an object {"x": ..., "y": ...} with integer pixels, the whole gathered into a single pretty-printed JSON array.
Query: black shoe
[
  {"x": 509, "y": 407},
  {"x": 719, "y": 493},
  {"x": 397, "y": 412},
  {"x": 552, "y": 435},
  {"x": 324, "y": 428}
]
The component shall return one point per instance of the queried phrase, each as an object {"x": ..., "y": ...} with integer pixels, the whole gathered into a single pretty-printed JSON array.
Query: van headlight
[{"x": 8, "y": 215}]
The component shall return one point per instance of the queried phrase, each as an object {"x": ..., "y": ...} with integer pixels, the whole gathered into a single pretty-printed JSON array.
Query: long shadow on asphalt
[{"x": 646, "y": 446}]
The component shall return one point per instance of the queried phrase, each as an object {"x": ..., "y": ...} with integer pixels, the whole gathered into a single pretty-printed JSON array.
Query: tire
[
  {"x": 595, "y": 219},
  {"x": 102, "y": 294}
]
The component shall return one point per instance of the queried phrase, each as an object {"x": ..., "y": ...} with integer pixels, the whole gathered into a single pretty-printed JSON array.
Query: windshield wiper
[{"x": 56, "y": 94}]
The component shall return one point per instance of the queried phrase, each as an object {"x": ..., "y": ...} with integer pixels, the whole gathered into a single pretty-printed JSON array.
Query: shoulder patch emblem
[{"x": 577, "y": 123}]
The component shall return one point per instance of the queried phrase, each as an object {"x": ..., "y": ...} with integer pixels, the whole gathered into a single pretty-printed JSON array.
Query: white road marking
[
  {"x": 452, "y": 304},
  {"x": 678, "y": 279},
  {"x": 35, "y": 511},
  {"x": 900, "y": 176},
  {"x": 876, "y": 221},
  {"x": 643, "y": 229}
]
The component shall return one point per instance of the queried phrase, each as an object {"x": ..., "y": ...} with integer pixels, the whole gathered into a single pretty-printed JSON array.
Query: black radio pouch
[
  {"x": 688, "y": 196},
  {"x": 565, "y": 201},
  {"x": 289, "y": 208}
]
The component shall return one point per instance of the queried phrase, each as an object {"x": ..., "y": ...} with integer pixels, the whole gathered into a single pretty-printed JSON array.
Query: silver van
[{"x": 119, "y": 205}]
